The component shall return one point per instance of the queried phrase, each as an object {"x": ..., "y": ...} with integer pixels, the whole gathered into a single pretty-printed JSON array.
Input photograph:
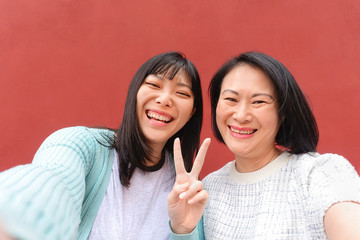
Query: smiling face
[
  {"x": 163, "y": 107},
  {"x": 247, "y": 113}
]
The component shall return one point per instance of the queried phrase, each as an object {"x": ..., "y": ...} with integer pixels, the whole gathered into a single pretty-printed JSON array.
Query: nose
[
  {"x": 164, "y": 99},
  {"x": 243, "y": 113}
]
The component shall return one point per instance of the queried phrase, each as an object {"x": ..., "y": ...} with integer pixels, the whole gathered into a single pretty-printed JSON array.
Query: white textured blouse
[{"x": 287, "y": 199}]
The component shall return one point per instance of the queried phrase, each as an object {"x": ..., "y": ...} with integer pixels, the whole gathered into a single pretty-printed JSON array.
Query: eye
[
  {"x": 230, "y": 99},
  {"x": 151, "y": 84},
  {"x": 258, "y": 102},
  {"x": 185, "y": 94}
]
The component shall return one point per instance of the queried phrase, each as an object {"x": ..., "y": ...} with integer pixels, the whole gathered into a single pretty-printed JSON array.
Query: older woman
[{"x": 278, "y": 186}]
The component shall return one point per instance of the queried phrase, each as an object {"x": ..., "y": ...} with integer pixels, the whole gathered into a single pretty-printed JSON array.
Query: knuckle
[
  {"x": 198, "y": 184},
  {"x": 206, "y": 194}
]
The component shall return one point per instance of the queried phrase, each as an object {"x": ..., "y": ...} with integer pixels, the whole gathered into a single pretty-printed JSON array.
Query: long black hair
[
  {"x": 298, "y": 132},
  {"x": 130, "y": 142}
]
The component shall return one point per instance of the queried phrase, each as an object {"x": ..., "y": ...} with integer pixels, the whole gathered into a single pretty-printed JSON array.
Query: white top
[
  {"x": 286, "y": 199},
  {"x": 137, "y": 212}
]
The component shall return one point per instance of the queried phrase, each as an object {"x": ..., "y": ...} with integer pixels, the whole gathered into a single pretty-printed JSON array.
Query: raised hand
[{"x": 187, "y": 200}]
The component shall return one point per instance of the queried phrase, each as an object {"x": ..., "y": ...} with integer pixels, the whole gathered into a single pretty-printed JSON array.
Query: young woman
[
  {"x": 278, "y": 186},
  {"x": 88, "y": 183}
]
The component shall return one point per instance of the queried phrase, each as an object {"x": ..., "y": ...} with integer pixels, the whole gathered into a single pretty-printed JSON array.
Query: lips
[
  {"x": 159, "y": 116},
  {"x": 242, "y": 131}
]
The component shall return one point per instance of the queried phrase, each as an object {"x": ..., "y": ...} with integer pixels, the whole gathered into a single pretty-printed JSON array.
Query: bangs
[{"x": 169, "y": 70}]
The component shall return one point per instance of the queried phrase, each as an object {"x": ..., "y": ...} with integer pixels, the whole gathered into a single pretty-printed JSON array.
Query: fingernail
[{"x": 182, "y": 195}]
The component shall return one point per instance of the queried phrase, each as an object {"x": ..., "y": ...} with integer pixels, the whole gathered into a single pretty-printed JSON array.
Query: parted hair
[{"x": 298, "y": 132}]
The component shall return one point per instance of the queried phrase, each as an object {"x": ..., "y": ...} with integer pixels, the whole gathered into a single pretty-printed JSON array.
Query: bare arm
[{"x": 342, "y": 220}]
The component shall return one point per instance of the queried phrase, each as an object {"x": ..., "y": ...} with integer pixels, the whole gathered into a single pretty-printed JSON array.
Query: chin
[
  {"x": 238, "y": 150},
  {"x": 157, "y": 139}
]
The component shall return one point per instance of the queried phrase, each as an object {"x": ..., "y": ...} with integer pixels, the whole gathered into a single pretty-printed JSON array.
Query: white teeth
[
  {"x": 158, "y": 117},
  {"x": 242, "y": 132}
]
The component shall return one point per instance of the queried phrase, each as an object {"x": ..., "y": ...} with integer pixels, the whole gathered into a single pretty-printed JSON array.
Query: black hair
[
  {"x": 130, "y": 142},
  {"x": 298, "y": 132}
]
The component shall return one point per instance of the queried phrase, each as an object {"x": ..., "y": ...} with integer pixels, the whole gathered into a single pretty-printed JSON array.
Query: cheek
[
  {"x": 217, "y": 111},
  {"x": 141, "y": 97},
  {"x": 220, "y": 119},
  {"x": 221, "y": 112},
  {"x": 139, "y": 104},
  {"x": 138, "y": 98},
  {"x": 272, "y": 121},
  {"x": 189, "y": 111}
]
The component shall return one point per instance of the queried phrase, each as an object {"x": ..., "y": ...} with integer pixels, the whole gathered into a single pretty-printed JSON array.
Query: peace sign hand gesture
[{"x": 187, "y": 200}]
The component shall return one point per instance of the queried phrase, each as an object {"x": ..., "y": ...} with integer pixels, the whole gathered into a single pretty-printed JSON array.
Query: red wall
[{"x": 69, "y": 62}]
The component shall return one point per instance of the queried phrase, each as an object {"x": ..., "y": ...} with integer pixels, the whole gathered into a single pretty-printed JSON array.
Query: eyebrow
[
  {"x": 254, "y": 95},
  {"x": 263, "y": 94},
  {"x": 185, "y": 85},
  {"x": 179, "y": 84},
  {"x": 231, "y": 91}
]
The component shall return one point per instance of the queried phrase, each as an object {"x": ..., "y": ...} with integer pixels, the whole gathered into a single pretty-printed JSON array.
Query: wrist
[{"x": 178, "y": 229}]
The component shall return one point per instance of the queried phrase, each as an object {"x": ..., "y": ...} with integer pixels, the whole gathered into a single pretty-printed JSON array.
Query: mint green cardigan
[{"x": 58, "y": 195}]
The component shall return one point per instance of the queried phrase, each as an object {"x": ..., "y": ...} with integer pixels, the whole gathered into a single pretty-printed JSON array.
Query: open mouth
[
  {"x": 158, "y": 117},
  {"x": 243, "y": 132}
]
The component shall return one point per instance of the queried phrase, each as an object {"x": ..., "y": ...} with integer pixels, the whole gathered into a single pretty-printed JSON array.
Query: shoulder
[
  {"x": 74, "y": 141},
  {"x": 80, "y": 134},
  {"x": 327, "y": 164},
  {"x": 326, "y": 177},
  {"x": 220, "y": 175}
]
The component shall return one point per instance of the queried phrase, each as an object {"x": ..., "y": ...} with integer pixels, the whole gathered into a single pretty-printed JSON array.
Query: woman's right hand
[
  {"x": 4, "y": 235},
  {"x": 187, "y": 200}
]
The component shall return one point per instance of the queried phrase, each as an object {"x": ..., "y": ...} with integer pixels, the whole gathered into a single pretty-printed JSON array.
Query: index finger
[
  {"x": 178, "y": 159},
  {"x": 199, "y": 160}
]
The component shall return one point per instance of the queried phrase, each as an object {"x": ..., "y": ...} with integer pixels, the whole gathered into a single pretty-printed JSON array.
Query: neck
[
  {"x": 156, "y": 150},
  {"x": 252, "y": 163}
]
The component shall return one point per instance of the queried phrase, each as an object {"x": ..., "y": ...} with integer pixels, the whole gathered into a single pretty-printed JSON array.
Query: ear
[{"x": 281, "y": 120}]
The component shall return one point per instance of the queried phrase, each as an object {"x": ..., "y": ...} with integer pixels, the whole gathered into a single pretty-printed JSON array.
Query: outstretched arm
[
  {"x": 187, "y": 200},
  {"x": 342, "y": 220},
  {"x": 46, "y": 199}
]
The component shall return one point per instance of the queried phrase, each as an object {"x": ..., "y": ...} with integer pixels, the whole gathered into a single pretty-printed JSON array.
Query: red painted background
[{"x": 69, "y": 62}]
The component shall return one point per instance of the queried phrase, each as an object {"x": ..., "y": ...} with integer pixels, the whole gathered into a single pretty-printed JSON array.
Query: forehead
[
  {"x": 181, "y": 77},
  {"x": 247, "y": 77}
]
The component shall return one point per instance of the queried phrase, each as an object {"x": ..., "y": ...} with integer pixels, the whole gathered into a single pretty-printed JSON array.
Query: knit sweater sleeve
[
  {"x": 196, "y": 234},
  {"x": 331, "y": 180},
  {"x": 43, "y": 200}
]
